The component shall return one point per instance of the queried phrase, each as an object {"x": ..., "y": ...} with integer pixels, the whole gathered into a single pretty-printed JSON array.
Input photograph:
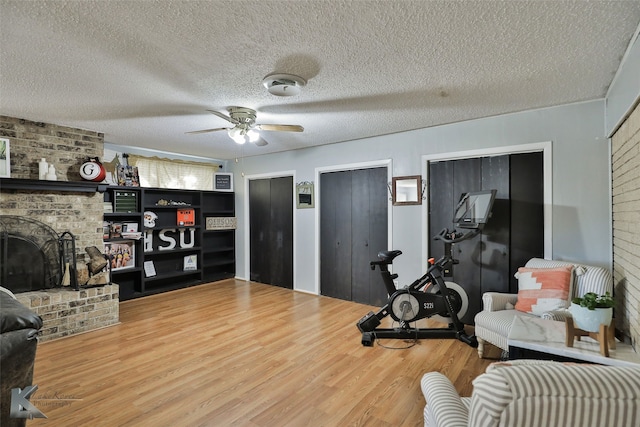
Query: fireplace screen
[{"x": 29, "y": 255}]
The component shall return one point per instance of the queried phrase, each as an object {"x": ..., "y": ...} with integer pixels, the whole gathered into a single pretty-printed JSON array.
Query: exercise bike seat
[{"x": 386, "y": 257}]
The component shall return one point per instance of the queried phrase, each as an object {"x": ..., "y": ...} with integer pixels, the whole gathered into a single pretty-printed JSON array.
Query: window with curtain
[{"x": 170, "y": 173}]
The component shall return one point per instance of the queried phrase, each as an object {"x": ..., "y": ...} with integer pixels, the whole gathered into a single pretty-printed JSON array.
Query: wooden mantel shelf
[{"x": 61, "y": 186}]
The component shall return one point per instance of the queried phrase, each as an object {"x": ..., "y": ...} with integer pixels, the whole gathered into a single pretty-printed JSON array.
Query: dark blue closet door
[
  {"x": 353, "y": 229},
  {"x": 271, "y": 231}
]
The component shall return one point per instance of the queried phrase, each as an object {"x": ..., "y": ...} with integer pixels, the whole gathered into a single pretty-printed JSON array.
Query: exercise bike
[{"x": 429, "y": 296}]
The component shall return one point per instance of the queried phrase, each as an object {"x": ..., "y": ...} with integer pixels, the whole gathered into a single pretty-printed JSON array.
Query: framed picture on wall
[
  {"x": 406, "y": 190},
  {"x": 5, "y": 164},
  {"x": 223, "y": 181},
  {"x": 304, "y": 195}
]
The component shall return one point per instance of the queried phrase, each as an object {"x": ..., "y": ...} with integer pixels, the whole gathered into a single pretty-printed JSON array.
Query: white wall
[{"x": 581, "y": 184}]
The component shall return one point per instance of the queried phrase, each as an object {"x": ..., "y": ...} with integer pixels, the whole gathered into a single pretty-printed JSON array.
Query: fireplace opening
[
  {"x": 25, "y": 266},
  {"x": 30, "y": 255}
]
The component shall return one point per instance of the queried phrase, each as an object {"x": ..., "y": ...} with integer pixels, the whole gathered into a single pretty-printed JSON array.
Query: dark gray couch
[{"x": 18, "y": 342}]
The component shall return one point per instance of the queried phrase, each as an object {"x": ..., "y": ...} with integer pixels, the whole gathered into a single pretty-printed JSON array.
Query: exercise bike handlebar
[
  {"x": 449, "y": 237},
  {"x": 455, "y": 236}
]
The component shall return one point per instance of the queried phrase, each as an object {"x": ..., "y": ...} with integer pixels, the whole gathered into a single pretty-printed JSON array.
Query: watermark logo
[
  {"x": 54, "y": 400},
  {"x": 20, "y": 405}
]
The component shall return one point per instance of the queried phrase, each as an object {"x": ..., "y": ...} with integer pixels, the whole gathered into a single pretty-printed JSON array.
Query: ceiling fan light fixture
[
  {"x": 253, "y": 135},
  {"x": 245, "y": 127},
  {"x": 283, "y": 84},
  {"x": 237, "y": 135}
]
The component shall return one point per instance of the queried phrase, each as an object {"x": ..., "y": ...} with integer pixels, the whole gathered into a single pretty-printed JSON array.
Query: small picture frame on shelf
[
  {"x": 5, "y": 161},
  {"x": 149, "y": 269},
  {"x": 130, "y": 231},
  {"x": 106, "y": 230},
  {"x": 116, "y": 230},
  {"x": 223, "y": 181},
  {"x": 125, "y": 201},
  {"x": 186, "y": 217},
  {"x": 121, "y": 254},
  {"x": 130, "y": 227},
  {"x": 190, "y": 262}
]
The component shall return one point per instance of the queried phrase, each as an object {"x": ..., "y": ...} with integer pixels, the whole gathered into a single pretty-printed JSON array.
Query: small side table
[{"x": 605, "y": 337}]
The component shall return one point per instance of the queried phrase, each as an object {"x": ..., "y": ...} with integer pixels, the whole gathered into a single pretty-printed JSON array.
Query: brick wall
[
  {"x": 67, "y": 149},
  {"x": 625, "y": 161},
  {"x": 66, "y": 312}
]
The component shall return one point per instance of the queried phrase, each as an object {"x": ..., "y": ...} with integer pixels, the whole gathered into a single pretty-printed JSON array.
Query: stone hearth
[{"x": 67, "y": 312}]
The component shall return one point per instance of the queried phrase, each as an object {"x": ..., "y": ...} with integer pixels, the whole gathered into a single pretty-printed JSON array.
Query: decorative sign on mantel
[{"x": 221, "y": 223}]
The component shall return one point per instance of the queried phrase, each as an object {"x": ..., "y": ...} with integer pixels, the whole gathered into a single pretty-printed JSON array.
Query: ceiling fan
[{"x": 245, "y": 127}]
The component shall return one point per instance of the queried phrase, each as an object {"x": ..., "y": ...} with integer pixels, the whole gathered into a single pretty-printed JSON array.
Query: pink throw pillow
[{"x": 543, "y": 289}]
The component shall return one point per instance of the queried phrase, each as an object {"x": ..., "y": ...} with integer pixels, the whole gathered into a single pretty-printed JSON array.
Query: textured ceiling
[{"x": 145, "y": 72}]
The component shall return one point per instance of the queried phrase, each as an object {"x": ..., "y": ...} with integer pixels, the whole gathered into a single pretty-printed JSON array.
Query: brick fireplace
[{"x": 64, "y": 311}]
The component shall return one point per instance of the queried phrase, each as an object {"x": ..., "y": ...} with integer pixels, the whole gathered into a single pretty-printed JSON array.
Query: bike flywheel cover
[
  {"x": 404, "y": 307},
  {"x": 458, "y": 294}
]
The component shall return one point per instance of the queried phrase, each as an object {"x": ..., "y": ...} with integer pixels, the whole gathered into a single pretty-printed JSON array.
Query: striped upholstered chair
[
  {"x": 537, "y": 394},
  {"x": 493, "y": 323}
]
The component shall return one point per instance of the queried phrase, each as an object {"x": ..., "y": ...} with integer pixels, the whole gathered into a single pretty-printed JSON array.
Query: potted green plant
[{"x": 592, "y": 310}]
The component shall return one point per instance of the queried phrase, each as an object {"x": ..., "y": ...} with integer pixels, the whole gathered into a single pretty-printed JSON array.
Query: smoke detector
[{"x": 283, "y": 84}]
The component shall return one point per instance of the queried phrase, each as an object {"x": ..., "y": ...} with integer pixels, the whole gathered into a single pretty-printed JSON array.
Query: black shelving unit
[
  {"x": 168, "y": 242},
  {"x": 218, "y": 254},
  {"x": 129, "y": 278}
]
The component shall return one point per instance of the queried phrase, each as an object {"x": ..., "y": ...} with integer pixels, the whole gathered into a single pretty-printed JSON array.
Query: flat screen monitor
[{"x": 474, "y": 209}]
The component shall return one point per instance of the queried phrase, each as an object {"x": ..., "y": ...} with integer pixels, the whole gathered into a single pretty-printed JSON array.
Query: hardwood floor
[{"x": 235, "y": 353}]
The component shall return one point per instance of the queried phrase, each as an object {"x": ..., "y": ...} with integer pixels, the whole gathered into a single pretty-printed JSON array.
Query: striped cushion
[
  {"x": 494, "y": 326},
  {"x": 518, "y": 362},
  {"x": 495, "y": 301},
  {"x": 556, "y": 395},
  {"x": 444, "y": 406}
]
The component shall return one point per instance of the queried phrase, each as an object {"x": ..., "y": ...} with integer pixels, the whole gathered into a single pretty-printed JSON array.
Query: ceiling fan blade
[
  {"x": 260, "y": 142},
  {"x": 205, "y": 131},
  {"x": 224, "y": 116},
  {"x": 281, "y": 128}
]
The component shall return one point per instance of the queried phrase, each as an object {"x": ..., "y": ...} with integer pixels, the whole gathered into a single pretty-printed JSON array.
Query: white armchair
[{"x": 493, "y": 323}]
